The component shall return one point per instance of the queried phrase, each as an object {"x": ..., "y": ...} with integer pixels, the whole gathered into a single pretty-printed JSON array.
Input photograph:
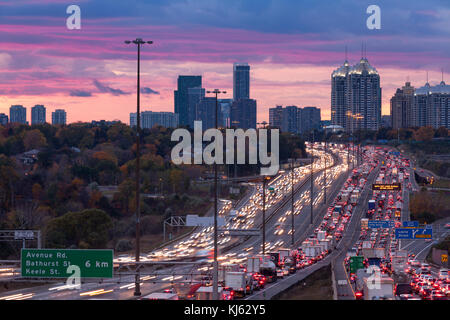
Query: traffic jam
[{"x": 387, "y": 272}]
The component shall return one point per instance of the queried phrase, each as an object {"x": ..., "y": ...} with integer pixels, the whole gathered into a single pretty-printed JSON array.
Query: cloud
[
  {"x": 105, "y": 89},
  {"x": 147, "y": 90},
  {"x": 80, "y": 93}
]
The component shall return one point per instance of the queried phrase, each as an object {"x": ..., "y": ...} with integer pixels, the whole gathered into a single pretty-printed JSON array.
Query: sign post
[{"x": 54, "y": 263}]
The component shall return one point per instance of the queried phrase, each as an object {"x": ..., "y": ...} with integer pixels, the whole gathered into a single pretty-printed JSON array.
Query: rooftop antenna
[
  {"x": 346, "y": 57},
  {"x": 427, "y": 76},
  {"x": 442, "y": 70},
  {"x": 407, "y": 78}
]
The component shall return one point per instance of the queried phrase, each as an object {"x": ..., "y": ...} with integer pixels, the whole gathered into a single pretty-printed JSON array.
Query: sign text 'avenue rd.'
[{"x": 53, "y": 263}]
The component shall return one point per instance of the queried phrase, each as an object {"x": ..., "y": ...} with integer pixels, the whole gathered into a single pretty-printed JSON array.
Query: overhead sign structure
[
  {"x": 413, "y": 233},
  {"x": 23, "y": 234},
  {"x": 356, "y": 263},
  {"x": 410, "y": 224},
  {"x": 54, "y": 263},
  {"x": 381, "y": 224},
  {"x": 196, "y": 221},
  {"x": 387, "y": 187}
]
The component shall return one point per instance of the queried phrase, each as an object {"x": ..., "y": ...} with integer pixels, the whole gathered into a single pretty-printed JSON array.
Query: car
[
  {"x": 447, "y": 225},
  {"x": 280, "y": 274},
  {"x": 437, "y": 295},
  {"x": 443, "y": 273},
  {"x": 228, "y": 293},
  {"x": 406, "y": 296}
]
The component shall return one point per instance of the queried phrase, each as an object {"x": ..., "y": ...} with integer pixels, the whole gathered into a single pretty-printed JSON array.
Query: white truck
[
  {"x": 399, "y": 261},
  {"x": 206, "y": 293},
  {"x": 238, "y": 282},
  {"x": 374, "y": 289},
  {"x": 284, "y": 253},
  {"x": 253, "y": 264},
  {"x": 161, "y": 296},
  {"x": 227, "y": 267}
]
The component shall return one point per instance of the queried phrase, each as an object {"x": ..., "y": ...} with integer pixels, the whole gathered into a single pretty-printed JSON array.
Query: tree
[
  {"x": 88, "y": 229},
  {"x": 424, "y": 134},
  {"x": 34, "y": 139},
  {"x": 441, "y": 132}
]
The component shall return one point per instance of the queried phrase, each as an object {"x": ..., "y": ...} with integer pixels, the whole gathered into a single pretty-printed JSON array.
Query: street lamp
[
  {"x": 265, "y": 179},
  {"x": 216, "y": 267},
  {"x": 139, "y": 42},
  {"x": 292, "y": 203}
]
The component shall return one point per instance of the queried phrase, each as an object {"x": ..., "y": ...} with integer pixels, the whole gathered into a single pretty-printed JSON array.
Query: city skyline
[{"x": 91, "y": 74}]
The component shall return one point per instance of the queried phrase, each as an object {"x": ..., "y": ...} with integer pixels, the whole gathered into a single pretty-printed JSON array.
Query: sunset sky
[{"x": 293, "y": 46}]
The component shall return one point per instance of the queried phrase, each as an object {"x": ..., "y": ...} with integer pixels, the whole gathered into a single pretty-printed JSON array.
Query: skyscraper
[
  {"x": 339, "y": 95},
  {"x": 364, "y": 97},
  {"x": 225, "y": 110},
  {"x": 181, "y": 96},
  {"x": 310, "y": 119},
  {"x": 241, "y": 81},
  {"x": 290, "y": 117},
  {"x": 3, "y": 119},
  {"x": 402, "y": 106},
  {"x": 356, "y": 97},
  {"x": 38, "y": 114},
  {"x": 206, "y": 113},
  {"x": 195, "y": 95},
  {"x": 59, "y": 117},
  {"x": 276, "y": 117},
  {"x": 18, "y": 114},
  {"x": 243, "y": 114},
  {"x": 432, "y": 106}
]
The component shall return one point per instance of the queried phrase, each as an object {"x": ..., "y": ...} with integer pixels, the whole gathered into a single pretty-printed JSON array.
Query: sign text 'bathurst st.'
[
  {"x": 54, "y": 263},
  {"x": 387, "y": 187}
]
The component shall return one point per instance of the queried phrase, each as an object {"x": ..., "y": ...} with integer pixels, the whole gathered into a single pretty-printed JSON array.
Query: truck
[
  {"x": 354, "y": 198},
  {"x": 283, "y": 253},
  {"x": 268, "y": 270},
  {"x": 238, "y": 282},
  {"x": 275, "y": 257},
  {"x": 161, "y": 296},
  {"x": 399, "y": 261},
  {"x": 364, "y": 224},
  {"x": 382, "y": 290},
  {"x": 226, "y": 267},
  {"x": 206, "y": 293},
  {"x": 253, "y": 264},
  {"x": 373, "y": 252},
  {"x": 371, "y": 204}
]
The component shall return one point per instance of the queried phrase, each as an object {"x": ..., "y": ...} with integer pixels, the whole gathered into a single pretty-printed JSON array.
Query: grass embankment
[
  {"x": 443, "y": 245},
  {"x": 317, "y": 286},
  {"x": 429, "y": 206}
]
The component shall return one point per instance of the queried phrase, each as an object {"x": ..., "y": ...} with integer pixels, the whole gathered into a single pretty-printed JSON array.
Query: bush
[{"x": 124, "y": 245}]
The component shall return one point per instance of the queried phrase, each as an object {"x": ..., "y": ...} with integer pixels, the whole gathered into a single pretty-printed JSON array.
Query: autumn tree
[
  {"x": 34, "y": 139},
  {"x": 424, "y": 134}
]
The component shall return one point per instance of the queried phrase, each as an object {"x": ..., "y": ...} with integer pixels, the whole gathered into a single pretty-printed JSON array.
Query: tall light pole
[
  {"x": 292, "y": 199},
  {"x": 265, "y": 179},
  {"x": 312, "y": 175},
  {"x": 215, "y": 266},
  {"x": 325, "y": 172},
  {"x": 139, "y": 42}
]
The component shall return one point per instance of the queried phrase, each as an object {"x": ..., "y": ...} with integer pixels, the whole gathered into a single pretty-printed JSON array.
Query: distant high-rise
[
  {"x": 356, "y": 97},
  {"x": 310, "y": 119},
  {"x": 339, "y": 95},
  {"x": 432, "y": 106},
  {"x": 290, "y": 117},
  {"x": 149, "y": 119},
  {"x": 276, "y": 117},
  {"x": 241, "y": 81},
  {"x": 243, "y": 114},
  {"x": 386, "y": 121},
  {"x": 181, "y": 96},
  {"x": 3, "y": 119},
  {"x": 206, "y": 113},
  {"x": 59, "y": 117},
  {"x": 195, "y": 95},
  {"x": 225, "y": 111},
  {"x": 38, "y": 114},
  {"x": 18, "y": 114},
  {"x": 364, "y": 97},
  {"x": 402, "y": 104}
]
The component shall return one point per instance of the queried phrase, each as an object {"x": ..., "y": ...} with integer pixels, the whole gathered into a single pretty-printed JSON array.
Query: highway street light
[
  {"x": 216, "y": 267},
  {"x": 265, "y": 180},
  {"x": 139, "y": 42}
]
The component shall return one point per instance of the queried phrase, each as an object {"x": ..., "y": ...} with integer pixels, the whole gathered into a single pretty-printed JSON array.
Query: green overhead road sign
[
  {"x": 53, "y": 263},
  {"x": 356, "y": 263}
]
